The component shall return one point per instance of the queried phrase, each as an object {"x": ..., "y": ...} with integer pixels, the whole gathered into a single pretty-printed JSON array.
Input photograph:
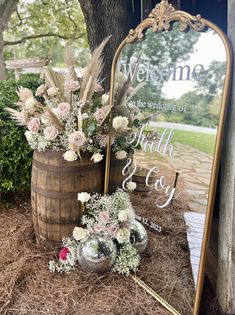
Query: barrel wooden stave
[{"x": 54, "y": 187}]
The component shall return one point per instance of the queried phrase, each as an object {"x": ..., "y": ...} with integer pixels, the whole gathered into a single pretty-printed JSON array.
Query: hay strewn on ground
[{"x": 27, "y": 287}]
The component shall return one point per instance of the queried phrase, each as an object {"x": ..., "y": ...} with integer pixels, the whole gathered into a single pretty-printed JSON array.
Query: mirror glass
[{"x": 174, "y": 86}]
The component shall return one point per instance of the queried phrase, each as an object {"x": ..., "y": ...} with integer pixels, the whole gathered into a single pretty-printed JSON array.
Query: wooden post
[{"x": 226, "y": 248}]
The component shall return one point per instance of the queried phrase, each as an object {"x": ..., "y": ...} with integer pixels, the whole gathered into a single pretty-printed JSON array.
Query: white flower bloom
[
  {"x": 30, "y": 102},
  {"x": 79, "y": 233},
  {"x": 85, "y": 115},
  {"x": 120, "y": 155},
  {"x": 105, "y": 99},
  {"x": 28, "y": 135},
  {"x": 50, "y": 133},
  {"x": 53, "y": 91},
  {"x": 70, "y": 156},
  {"x": 131, "y": 185},
  {"x": 120, "y": 123},
  {"x": 123, "y": 235},
  {"x": 122, "y": 216},
  {"x": 83, "y": 197},
  {"x": 97, "y": 157}
]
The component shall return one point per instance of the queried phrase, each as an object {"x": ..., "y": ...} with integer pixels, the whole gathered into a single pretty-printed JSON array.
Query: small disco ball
[
  {"x": 139, "y": 237},
  {"x": 96, "y": 253}
]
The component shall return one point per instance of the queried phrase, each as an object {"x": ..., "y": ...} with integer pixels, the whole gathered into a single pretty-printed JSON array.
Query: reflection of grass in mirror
[{"x": 201, "y": 141}]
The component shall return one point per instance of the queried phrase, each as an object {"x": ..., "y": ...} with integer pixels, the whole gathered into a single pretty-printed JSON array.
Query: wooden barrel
[
  {"x": 141, "y": 187},
  {"x": 54, "y": 187}
]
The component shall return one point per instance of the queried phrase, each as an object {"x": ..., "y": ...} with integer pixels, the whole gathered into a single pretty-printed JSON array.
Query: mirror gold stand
[{"x": 160, "y": 20}]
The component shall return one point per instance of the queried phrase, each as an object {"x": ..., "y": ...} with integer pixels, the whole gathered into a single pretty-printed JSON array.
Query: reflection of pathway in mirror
[{"x": 195, "y": 167}]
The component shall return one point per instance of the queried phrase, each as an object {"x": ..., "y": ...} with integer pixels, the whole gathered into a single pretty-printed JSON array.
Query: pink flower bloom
[
  {"x": 104, "y": 216},
  {"x": 64, "y": 253},
  {"x": 99, "y": 88},
  {"x": 71, "y": 85},
  {"x": 50, "y": 133},
  {"x": 99, "y": 115},
  {"x": 63, "y": 109},
  {"x": 77, "y": 139},
  {"x": 34, "y": 125}
]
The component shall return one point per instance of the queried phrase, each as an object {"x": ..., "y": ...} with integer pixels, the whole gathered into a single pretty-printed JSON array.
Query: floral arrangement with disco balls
[{"x": 110, "y": 238}]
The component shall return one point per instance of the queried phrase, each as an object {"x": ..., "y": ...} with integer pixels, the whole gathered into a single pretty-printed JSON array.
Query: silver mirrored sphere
[
  {"x": 139, "y": 237},
  {"x": 96, "y": 253}
]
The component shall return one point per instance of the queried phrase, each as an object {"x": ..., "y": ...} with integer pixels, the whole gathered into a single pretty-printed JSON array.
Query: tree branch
[{"x": 25, "y": 38}]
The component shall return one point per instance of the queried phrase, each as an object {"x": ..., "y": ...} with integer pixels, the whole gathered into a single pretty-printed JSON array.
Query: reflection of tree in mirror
[
  {"x": 159, "y": 55},
  {"x": 203, "y": 104}
]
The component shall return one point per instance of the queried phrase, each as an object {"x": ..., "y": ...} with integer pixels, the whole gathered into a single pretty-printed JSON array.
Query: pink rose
[
  {"x": 71, "y": 85},
  {"x": 77, "y": 139},
  {"x": 99, "y": 88},
  {"x": 34, "y": 125},
  {"x": 64, "y": 253},
  {"x": 99, "y": 115},
  {"x": 104, "y": 216},
  {"x": 50, "y": 133},
  {"x": 63, "y": 109}
]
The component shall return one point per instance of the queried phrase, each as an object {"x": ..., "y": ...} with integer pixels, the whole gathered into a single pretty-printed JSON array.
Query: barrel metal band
[{"x": 64, "y": 169}]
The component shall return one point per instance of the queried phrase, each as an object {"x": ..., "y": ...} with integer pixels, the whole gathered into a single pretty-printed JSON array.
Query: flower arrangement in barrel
[
  {"x": 67, "y": 113},
  {"x": 110, "y": 238},
  {"x": 71, "y": 113}
]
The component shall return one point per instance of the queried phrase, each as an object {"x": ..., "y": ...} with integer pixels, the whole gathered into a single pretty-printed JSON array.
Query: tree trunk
[
  {"x": 7, "y": 7},
  {"x": 104, "y": 18},
  {"x": 226, "y": 255}
]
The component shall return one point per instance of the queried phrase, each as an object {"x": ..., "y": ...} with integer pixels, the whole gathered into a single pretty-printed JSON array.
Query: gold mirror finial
[{"x": 160, "y": 20}]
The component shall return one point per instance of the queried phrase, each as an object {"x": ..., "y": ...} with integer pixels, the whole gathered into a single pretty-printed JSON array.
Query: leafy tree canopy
[{"x": 42, "y": 28}]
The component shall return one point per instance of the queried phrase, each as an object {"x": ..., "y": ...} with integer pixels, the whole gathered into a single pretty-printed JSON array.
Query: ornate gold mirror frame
[{"x": 160, "y": 20}]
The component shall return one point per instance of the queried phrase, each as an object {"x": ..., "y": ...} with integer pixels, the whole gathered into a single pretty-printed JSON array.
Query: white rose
[
  {"x": 79, "y": 233},
  {"x": 53, "y": 91},
  {"x": 50, "y": 133},
  {"x": 120, "y": 123},
  {"x": 70, "y": 156},
  {"x": 131, "y": 185},
  {"x": 30, "y": 102},
  {"x": 105, "y": 99},
  {"x": 83, "y": 197},
  {"x": 123, "y": 235},
  {"x": 28, "y": 135},
  {"x": 120, "y": 155},
  {"x": 97, "y": 157},
  {"x": 122, "y": 216}
]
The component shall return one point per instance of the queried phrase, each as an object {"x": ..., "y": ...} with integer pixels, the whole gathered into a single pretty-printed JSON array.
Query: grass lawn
[{"x": 201, "y": 141}]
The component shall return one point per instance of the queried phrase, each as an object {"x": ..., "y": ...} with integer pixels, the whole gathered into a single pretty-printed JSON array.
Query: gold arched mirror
[{"x": 170, "y": 78}]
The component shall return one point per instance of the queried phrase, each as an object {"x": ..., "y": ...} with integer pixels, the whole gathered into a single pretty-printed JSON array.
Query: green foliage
[
  {"x": 15, "y": 153},
  {"x": 63, "y": 18}
]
